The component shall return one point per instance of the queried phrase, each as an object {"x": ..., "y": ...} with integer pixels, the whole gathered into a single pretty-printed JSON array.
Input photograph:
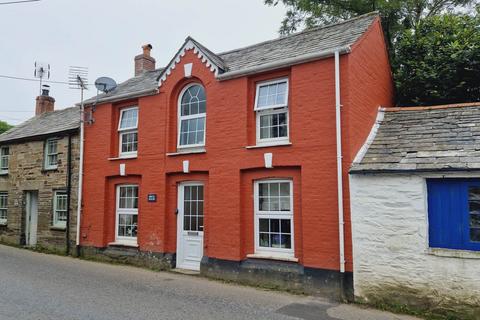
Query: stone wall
[
  {"x": 392, "y": 261},
  {"x": 26, "y": 173}
]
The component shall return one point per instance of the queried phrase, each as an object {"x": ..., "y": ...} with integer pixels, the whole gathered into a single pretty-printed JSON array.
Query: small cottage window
[
  {"x": 274, "y": 217},
  {"x": 60, "y": 209},
  {"x": 128, "y": 132},
  {"x": 4, "y": 158},
  {"x": 127, "y": 214},
  {"x": 3, "y": 207},
  {"x": 51, "y": 154},
  {"x": 192, "y": 112},
  {"x": 454, "y": 213},
  {"x": 271, "y": 107}
]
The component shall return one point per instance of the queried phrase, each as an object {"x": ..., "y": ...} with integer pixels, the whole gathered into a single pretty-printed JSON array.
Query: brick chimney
[
  {"x": 45, "y": 103},
  {"x": 144, "y": 62}
]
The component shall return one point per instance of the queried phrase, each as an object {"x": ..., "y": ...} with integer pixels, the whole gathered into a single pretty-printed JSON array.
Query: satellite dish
[{"x": 105, "y": 84}]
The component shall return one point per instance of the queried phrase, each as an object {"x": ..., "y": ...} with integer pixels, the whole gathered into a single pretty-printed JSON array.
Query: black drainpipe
[{"x": 69, "y": 191}]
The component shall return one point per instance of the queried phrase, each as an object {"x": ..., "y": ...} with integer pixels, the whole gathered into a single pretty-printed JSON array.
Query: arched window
[{"x": 191, "y": 116}]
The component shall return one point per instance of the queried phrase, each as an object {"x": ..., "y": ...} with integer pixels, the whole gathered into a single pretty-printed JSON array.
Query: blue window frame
[{"x": 454, "y": 213}]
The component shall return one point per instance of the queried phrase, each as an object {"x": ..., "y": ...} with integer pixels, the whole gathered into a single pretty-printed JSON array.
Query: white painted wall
[{"x": 391, "y": 257}]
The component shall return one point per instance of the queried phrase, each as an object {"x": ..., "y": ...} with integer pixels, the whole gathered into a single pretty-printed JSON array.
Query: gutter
[
  {"x": 132, "y": 95},
  {"x": 338, "y": 127},
  {"x": 284, "y": 63}
]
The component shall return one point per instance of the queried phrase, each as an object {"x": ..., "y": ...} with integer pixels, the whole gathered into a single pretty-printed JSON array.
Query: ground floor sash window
[
  {"x": 274, "y": 218},
  {"x": 127, "y": 214}
]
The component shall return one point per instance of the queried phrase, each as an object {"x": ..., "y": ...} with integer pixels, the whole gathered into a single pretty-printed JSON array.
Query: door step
[{"x": 186, "y": 271}]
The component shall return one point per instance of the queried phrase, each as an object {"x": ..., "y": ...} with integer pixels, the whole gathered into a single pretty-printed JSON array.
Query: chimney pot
[
  {"x": 45, "y": 90},
  {"x": 144, "y": 62}
]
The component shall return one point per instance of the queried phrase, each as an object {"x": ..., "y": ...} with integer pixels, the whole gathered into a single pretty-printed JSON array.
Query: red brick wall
[
  {"x": 370, "y": 86},
  {"x": 228, "y": 169}
]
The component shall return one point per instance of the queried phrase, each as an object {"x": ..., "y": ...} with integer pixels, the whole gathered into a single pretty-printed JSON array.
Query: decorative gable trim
[{"x": 189, "y": 45}]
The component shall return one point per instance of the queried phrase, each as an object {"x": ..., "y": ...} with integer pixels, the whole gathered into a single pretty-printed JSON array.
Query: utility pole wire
[
  {"x": 35, "y": 80},
  {"x": 22, "y": 1}
]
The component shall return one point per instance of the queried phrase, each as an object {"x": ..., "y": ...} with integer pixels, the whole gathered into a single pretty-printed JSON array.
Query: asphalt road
[{"x": 36, "y": 286}]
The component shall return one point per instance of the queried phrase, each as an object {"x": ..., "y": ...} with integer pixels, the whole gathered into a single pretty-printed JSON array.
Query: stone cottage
[
  {"x": 39, "y": 178},
  {"x": 415, "y": 205}
]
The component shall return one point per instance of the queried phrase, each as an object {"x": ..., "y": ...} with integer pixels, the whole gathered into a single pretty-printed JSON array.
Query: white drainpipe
[
  {"x": 80, "y": 174},
  {"x": 338, "y": 106}
]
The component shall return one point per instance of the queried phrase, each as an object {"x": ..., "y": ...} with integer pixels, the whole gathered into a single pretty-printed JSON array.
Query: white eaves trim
[
  {"x": 189, "y": 45},
  {"x": 373, "y": 133},
  {"x": 284, "y": 63}
]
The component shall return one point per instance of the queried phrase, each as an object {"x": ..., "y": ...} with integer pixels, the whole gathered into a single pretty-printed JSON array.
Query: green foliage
[
  {"x": 438, "y": 62},
  {"x": 4, "y": 126},
  {"x": 434, "y": 51},
  {"x": 397, "y": 15}
]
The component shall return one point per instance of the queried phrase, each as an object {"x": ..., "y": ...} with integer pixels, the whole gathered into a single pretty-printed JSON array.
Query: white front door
[
  {"x": 190, "y": 225},
  {"x": 31, "y": 218}
]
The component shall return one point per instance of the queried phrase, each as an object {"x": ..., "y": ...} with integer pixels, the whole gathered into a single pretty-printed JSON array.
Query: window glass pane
[
  {"x": 273, "y": 125},
  {"x": 193, "y": 209},
  {"x": 129, "y": 119},
  {"x": 272, "y": 94},
  {"x": 474, "y": 210},
  {"x": 475, "y": 234},
  {"x": 4, "y": 154},
  {"x": 264, "y": 225},
  {"x": 127, "y": 225},
  {"x": 285, "y": 189},
  {"x": 193, "y": 101},
  {"x": 275, "y": 233},
  {"x": 192, "y": 131},
  {"x": 128, "y": 197},
  {"x": 274, "y": 225},
  {"x": 3, "y": 207},
  {"x": 285, "y": 226},
  {"x": 264, "y": 240},
  {"x": 129, "y": 142}
]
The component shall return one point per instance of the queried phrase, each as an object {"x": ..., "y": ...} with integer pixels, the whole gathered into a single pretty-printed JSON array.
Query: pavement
[{"x": 37, "y": 286}]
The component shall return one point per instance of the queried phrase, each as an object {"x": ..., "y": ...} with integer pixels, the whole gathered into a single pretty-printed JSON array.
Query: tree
[
  {"x": 4, "y": 126},
  {"x": 439, "y": 61},
  {"x": 397, "y": 15}
]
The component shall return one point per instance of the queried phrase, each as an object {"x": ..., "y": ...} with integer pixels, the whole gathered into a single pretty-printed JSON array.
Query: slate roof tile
[
  {"x": 428, "y": 139},
  {"x": 44, "y": 124}
]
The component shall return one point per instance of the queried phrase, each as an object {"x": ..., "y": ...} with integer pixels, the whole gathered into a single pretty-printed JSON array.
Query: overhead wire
[{"x": 20, "y": 1}]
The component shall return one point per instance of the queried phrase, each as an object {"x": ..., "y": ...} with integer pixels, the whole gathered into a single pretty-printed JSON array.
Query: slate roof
[
  {"x": 140, "y": 84},
  {"x": 45, "y": 124},
  {"x": 443, "y": 138},
  {"x": 311, "y": 41}
]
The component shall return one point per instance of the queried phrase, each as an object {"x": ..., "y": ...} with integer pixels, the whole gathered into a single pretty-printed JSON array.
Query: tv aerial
[{"x": 42, "y": 71}]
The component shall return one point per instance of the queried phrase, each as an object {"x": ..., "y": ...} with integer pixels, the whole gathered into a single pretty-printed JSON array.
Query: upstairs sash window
[
  {"x": 192, "y": 114},
  {"x": 271, "y": 107},
  {"x": 128, "y": 132},
  {"x": 51, "y": 154}
]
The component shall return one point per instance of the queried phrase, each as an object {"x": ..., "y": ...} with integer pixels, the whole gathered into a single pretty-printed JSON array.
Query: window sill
[
  {"x": 123, "y": 244},
  {"x": 4, "y": 173},
  {"x": 453, "y": 253},
  {"x": 3, "y": 224},
  {"x": 50, "y": 170},
  {"x": 271, "y": 257},
  {"x": 276, "y": 144},
  {"x": 123, "y": 158},
  {"x": 57, "y": 228},
  {"x": 186, "y": 151}
]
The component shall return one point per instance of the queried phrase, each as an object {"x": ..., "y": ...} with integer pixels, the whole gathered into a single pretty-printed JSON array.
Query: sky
[{"x": 105, "y": 35}]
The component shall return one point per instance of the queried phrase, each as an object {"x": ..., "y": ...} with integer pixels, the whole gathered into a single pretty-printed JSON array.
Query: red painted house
[{"x": 227, "y": 163}]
